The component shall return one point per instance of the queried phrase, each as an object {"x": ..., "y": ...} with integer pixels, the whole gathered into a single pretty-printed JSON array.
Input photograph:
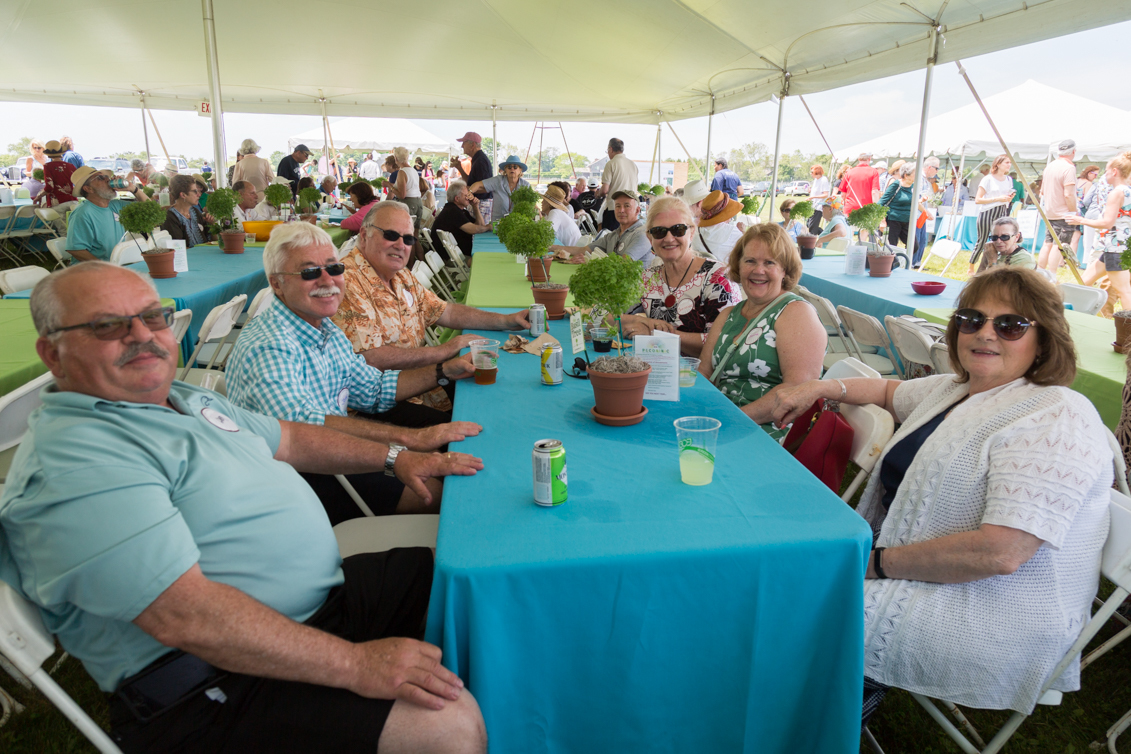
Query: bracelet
[
  {"x": 878, "y": 562},
  {"x": 843, "y": 391}
]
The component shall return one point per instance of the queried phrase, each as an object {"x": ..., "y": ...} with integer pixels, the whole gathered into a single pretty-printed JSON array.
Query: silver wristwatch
[{"x": 391, "y": 458}]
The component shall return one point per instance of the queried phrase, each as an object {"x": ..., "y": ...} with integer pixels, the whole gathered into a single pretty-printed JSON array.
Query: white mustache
[{"x": 325, "y": 291}]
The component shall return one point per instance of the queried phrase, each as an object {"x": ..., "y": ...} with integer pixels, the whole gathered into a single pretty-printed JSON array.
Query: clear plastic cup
[
  {"x": 485, "y": 357},
  {"x": 696, "y": 437},
  {"x": 688, "y": 369}
]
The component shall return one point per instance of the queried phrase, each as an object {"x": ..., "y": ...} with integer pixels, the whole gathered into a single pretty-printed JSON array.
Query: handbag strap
[{"x": 741, "y": 337}]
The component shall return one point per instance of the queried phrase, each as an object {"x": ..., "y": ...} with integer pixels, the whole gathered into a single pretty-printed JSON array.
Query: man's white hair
[
  {"x": 288, "y": 237},
  {"x": 931, "y": 162},
  {"x": 454, "y": 188}
]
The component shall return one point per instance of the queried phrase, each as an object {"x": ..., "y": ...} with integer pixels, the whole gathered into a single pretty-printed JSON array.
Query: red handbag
[{"x": 821, "y": 439}]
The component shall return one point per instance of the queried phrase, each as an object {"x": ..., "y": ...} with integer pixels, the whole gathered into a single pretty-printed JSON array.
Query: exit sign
[{"x": 204, "y": 109}]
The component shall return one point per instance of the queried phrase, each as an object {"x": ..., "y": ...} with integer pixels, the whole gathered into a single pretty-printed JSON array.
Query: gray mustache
[{"x": 137, "y": 349}]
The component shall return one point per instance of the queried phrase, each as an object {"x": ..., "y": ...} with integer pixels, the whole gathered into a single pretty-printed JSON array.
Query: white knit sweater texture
[{"x": 1028, "y": 457}]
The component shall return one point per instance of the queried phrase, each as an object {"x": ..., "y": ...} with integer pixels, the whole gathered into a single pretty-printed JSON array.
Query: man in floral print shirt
[{"x": 385, "y": 312}]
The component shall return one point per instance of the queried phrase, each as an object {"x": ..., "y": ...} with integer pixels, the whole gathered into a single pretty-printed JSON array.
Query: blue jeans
[{"x": 920, "y": 244}]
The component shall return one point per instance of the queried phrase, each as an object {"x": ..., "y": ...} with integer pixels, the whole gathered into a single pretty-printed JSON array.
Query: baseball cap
[
  {"x": 593, "y": 183},
  {"x": 1067, "y": 145},
  {"x": 631, "y": 193},
  {"x": 303, "y": 148},
  {"x": 471, "y": 136}
]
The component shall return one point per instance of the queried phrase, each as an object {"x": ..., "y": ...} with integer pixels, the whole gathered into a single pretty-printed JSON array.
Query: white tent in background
[
  {"x": 1031, "y": 117},
  {"x": 373, "y": 135}
]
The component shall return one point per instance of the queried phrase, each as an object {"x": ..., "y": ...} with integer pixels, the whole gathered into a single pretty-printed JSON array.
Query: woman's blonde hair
[
  {"x": 998, "y": 160},
  {"x": 1122, "y": 164},
  {"x": 400, "y": 154},
  {"x": 1035, "y": 298},
  {"x": 668, "y": 204},
  {"x": 782, "y": 250}
]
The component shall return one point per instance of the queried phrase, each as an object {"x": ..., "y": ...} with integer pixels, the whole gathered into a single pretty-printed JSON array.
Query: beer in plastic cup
[
  {"x": 485, "y": 357},
  {"x": 696, "y": 437}
]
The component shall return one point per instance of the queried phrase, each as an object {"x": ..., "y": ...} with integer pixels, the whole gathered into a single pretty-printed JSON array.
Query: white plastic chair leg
[{"x": 349, "y": 488}]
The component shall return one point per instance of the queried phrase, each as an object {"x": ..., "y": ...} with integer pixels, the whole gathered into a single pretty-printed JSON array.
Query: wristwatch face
[{"x": 441, "y": 379}]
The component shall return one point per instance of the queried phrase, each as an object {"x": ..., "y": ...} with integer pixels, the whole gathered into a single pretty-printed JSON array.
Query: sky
[{"x": 847, "y": 116}]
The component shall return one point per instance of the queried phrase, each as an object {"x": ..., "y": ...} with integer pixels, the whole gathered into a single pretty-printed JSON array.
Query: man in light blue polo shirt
[
  {"x": 292, "y": 362},
  {"x": 168, "y": 541},
  {"x": 93, "y": 229}
]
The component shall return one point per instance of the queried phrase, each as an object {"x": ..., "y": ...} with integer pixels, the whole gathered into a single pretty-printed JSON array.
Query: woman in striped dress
[{"x": 995, "y": 193}]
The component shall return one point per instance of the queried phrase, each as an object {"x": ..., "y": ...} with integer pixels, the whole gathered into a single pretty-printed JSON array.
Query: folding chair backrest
[
  {"x": 1120, "y": 462},
  {"x": 940, "y": 357},
  {"x": 181, "y": 322},
  {"x": 849, "y": 368},
  {"x": 23, "y": 193},
  {"x": 16, "y": 407},
  {"x": 421, "y": 270},
  {"x": 127, "y": 252},
  {"x": 25, "y": 641},
  {"x": 1116, "y": 561},
  {"x": 1047, "y": 274},
  {"x": 58, "y": 249},
  {"x": 838, "y": 244},
  {"x": 21, "y": 278},
  {"x": 216, "y": 327},
  {"x": 911, "y": 342},
  {"x": 872, "y": 427},
  {"x": 1083, "y": 298},
  {"x": 946, "y": 248},
  {"x": 434, "y": 261},
  {"x": 260, "y": 302},
  {"x": 46, "y": 215}
]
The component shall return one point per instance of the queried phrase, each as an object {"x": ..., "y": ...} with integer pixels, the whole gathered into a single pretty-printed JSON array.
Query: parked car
[
  {"x": 180, "y": 163},
  {"x": 797, "y": 188},
  {"x": 761, "y": 188},
  {"x": 115, "y": 165}
]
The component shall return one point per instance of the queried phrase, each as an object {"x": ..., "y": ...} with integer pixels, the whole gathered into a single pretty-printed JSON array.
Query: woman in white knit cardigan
[{"x": 989, "y": 505}]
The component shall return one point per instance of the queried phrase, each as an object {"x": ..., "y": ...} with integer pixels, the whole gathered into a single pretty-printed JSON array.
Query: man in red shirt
[{"x": 861, "y": 185}]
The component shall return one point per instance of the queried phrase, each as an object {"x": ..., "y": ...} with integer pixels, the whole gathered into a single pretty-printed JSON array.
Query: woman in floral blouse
[
  {"x": 685, "y": 294},
  {"x": 774, "y": 338}
]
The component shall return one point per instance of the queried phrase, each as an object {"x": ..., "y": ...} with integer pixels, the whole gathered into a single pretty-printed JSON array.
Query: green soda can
[{"x": 550, "y": 487}]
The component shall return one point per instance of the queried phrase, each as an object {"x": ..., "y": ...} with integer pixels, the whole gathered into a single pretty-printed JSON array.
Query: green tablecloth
[
  {"x": 1100, "y": 371},
  {"x": 339, "y": 236},
  {"x": 18, "y": 360},
  {"x": 498, "y": 281}
]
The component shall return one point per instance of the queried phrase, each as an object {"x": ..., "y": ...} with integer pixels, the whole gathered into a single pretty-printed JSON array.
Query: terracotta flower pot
[
  {"x": 551, "y": 298},
  {"x": 232, "y": 242},
  {"x": 160, "y": 265},
  {"x": 807, "y": 245},
  {"x": 619, "y": 394},
  {"x": 881, "y": 266},
  {"x": 1122, "y": 332},
  {"x": 535, "y": 272}
]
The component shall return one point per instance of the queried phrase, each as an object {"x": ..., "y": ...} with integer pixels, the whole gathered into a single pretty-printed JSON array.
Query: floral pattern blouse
[{"x": 697, "y": 301}]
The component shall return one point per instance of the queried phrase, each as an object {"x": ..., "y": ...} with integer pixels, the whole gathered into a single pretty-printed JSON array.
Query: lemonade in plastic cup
[
  {"x": 696, "y": 437},
  {"x": 688, "y": 369}
]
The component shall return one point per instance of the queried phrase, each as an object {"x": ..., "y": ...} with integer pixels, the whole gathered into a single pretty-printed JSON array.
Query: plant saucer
[{"x": 619, "y": 421}]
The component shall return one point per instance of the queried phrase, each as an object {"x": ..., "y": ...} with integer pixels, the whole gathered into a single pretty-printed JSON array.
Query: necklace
[{"x": 669, "y": 300}]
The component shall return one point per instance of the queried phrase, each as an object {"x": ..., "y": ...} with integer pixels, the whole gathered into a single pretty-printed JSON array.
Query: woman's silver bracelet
[{"x": 843, "y": 391}]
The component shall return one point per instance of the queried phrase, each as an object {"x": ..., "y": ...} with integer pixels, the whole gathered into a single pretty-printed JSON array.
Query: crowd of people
[{"x": 195, "y": 529}]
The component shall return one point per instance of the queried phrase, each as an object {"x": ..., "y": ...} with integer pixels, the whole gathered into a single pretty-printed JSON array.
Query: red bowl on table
[{"x": 928, "y": 287}]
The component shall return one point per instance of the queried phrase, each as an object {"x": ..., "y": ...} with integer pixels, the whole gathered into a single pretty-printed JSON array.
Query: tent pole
[
  {"x": 159, "y": 139},
  {"x": 494, "y": 136},
  {"x": 325, "y": 135},
  {"x": 913, "y": 219},
  {"x": 1069, "y": 258},
  {"x": 221, "y": 157},
  {"x": 707, "y": 164},
  {"x": 819, "y": 131},
  {"x": 571, "y": 166},
  {"x": 660, "y": 150},
  {"x": 680, "y": 142},
  {"x": 655, "y": 149},
  {"x": 531, "y": 144},
  {"x": 777, "y": 149},
  {"x": 957, "y": 193},
  {"x": 145, "y": 129},
  {"x": 541, "y": 134}
]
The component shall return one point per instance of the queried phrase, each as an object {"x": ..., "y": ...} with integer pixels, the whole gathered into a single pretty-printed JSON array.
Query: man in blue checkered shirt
[{"x": 291, "y": 362}]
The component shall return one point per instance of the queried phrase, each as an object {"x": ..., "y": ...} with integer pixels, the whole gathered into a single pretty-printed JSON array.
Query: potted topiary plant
[
  {"x": 868, "y": 218},
  {"x": 308, "y": 200},
  {"x": 806, "y": 242},
  {"x": 525, "y": 195},
  {"x": 226, "y": 229},
  {"x": 751, "y": 205},
  {"x": 278, "y": 195},
  {"x": 37, "y": 174},
  {"x": 532, "y": 239},
  {"x": 612, "y": 285},
  {"x": 139, "y": 219}
]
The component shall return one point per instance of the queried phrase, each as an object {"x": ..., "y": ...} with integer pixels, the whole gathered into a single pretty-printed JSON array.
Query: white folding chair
[
  {"x": 181, "y": 322},
  {"x": 940, "y": 357},
  {"x": 436, "y": 262},
  {"x": 21, "y": 237},
  {"x": 1083, "y": 298},
  {"x": 15, "y": 408},
  {"x": 23, "y": 193},
  {"x": 912, "y": 343},
  {"x": 25, "y": 641},
  {"x": 872, "y": 426},
  {"x": 1115, "y": 564},
  {"x": 440, "y": 285},
  {"x": 380, "y": 533},
  {"x": 838, "y": 244},
  {"x": 586, "y": 225},
  {"x": 945, "y": 248},
  {"x": 216, "y": 327},
  {"x": 864, "y": 329},
  {"x": 838, "y": 347},
  {"x": 127, "y": 252},
  {"x": 260, "y": 303},
  {"x": 58, "y": 249},
  {"x": 48, "y": 219},
  {"x": 1047, "y": 275},
  {"x": 457, "y": 268},
  {"x": 21, "y": 278}
]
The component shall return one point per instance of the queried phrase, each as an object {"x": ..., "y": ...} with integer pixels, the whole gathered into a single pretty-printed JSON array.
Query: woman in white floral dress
[{"x": 774, "y": 338}]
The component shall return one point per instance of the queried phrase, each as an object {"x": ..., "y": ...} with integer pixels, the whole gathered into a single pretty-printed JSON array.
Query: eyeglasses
[
  {"x": 1001, "y": 238},
  {"x": 313, "y": 273},
  {"x": 660, "y": 231},
  {"x": 1007, "y": 326},
  {"x": 116, "y": 328},
  {"x": 392, "y": 235}
]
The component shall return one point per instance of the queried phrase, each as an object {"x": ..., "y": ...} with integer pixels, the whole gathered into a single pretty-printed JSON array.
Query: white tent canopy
[
  {"x": 373, "y": 134},
  {"x": 673, "y": 60},
  {"x": 1032, "y": 117}
]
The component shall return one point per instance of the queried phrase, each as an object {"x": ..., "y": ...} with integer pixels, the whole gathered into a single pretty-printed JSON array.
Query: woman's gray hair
[
  {"x": 248, "y": 146},
  {"x": 669, "y": 204},
  {"x": 400, "y": 154},
  {"x": 286, "y": 238},
  {"x": 181, "y": 184},
  {"x": 1010, "y": 222},
  {"x": 47, "y": 307},
  {"x": 454, "y": 188},
  {"x": 907, "y": 168},
  {"x": 137, "y": 165}
]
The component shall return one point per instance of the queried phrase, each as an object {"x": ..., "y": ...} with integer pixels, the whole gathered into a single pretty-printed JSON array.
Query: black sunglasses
[
  {"x": 1007, "y": 326},
  {"x": 116, "y": 328},
  {"x": 313, "y": 273},
  {"x": 1001, "y": 238},
  {"x": 392, "y": 235},
  {"x": 660, "y": 231}
]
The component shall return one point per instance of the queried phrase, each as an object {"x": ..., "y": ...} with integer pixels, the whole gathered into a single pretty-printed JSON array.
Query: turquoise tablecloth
[
  {"x": 644, "y": 614},
  {"x": 966, "y": 231},
  {"x": 876, "y": 296}
]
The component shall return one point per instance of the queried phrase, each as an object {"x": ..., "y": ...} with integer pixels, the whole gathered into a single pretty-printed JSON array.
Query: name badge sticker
[
  {"x": 408, "y": 297},
  {"x": 218, "y": 420},
  {"x": 343, "y": 398}
]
